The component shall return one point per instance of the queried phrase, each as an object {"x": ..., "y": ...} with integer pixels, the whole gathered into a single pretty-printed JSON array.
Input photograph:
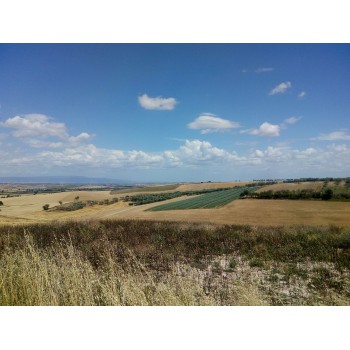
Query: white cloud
[
  {"x": 258, "y": 153},
  {"x": 35, "y": 125},
  {"x": 333, "y": 136},
  {"x": 43, "y": 144},
  {"x": 302, "y": 94},
  {"x": 193, "y": 154},
  {"x": 281, "y": 88},
  {"x": 264, "y": 70},
  {"x": 291, "y": 120},
  {"x": 39, "y": 131},
  {"x": 265, "y": 129},
  {"x": 158, "y": 103},
  {"x": 73, "y": 153},
  {"x": 81, "y": 137},
  {"x": 208, "y": 123}
]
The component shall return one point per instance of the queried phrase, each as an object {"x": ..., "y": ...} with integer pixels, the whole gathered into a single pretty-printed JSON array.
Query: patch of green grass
[
  {"x": 256, "y": 262},
  {"x": 232, "y": 264}
]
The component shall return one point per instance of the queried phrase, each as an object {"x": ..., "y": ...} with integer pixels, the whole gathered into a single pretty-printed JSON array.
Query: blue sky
[{"x": 175, "y": 112}]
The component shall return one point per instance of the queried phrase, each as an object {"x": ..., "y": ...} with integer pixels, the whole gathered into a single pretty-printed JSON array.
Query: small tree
[
  {"x": 1, "y": 203},
  {"x": 76, "y": 198},
  {"x": 60, "y": 202},
  {"x": 46, "y": 206},
  {"x": 327, "y": 194},
  {"x": 244, "y": 193}
]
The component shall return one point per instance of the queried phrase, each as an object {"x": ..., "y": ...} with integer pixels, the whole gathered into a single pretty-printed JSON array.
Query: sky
[{"x": 175, "y": 112}]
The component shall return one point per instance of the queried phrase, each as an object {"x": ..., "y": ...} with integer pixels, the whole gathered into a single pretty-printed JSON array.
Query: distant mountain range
[{"x": 61, "y": 180}]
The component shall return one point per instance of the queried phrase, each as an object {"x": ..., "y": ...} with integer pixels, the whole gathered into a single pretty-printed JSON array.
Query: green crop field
[{"x": 210, "y": 200}]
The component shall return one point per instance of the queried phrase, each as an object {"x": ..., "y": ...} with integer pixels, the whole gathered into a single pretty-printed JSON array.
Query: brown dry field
[
  {"x": 28, "y": 209},
  {"x": 316, "y": 186},
  {"x": 208, "y": 185}
]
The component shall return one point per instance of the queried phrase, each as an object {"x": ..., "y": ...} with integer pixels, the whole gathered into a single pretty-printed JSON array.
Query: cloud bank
[
  {"x": 53, "y": 150},
  {"x": 333, "y": 136}
]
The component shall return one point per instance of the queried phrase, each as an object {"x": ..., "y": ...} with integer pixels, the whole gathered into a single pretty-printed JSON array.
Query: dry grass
[
  {"x": 247, "y": 211},
  {"x": 29, "y": 207},
  {"x": 159, "y": 263},
  {"x": 147, "y": 189},
  {"x": 208, "y": 185},
  {"x": 316, "y": 186},
  {"x": 60, "y": 276}
]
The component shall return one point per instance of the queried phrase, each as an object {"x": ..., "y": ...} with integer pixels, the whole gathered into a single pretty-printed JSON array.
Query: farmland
[
  {"x": 215, "y": 199},
  {"x": 212, "y": 248},
  {"x": 29, "y": 208}
]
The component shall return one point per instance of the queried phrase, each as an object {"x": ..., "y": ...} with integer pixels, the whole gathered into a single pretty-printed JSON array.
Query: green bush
[{"x": 327, "y": 194}]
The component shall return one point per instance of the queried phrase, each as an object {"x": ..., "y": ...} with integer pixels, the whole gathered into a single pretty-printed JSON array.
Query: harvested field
[
  {"x": 316, "y": 186},
  {"x": 248, "y": 211},
  {"x": 253, "y": 212},
  {"x": 28, "y": 208},
  {"x": 160, "y": 188},
  {"x": 202, "y": 186}
]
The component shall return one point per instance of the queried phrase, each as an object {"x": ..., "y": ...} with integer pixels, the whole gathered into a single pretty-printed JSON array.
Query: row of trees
[{"x": 326, "y": 194}]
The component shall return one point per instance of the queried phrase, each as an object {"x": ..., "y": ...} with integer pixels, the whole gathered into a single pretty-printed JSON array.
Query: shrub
[
  {"x": 72, "y": 206},
  {"x": 327, "y": 194},
  {"x": 46, "y": 206}
]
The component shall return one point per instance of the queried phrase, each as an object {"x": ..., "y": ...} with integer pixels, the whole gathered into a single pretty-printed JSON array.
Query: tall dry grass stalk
[
  {"x": 61, "y": 276},
  {"x": 150, "y": 263}
]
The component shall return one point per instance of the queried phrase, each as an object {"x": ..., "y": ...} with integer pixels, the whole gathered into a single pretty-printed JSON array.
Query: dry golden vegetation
[
  {"x": 295, "y": 186},
  {"x": 146, "y": 189},
  {"x": 159, "y": 263},
  {"x": 209, "y": 185}
]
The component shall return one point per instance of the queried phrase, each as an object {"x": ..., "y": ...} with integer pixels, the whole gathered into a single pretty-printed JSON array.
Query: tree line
[{"x": 325, "y": 194}]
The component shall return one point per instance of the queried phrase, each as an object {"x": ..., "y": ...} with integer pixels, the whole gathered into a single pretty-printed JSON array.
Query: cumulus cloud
[
  {"x": 281, "y": 88},
  {"x": 208, "y": 123},
  {"x": 43, "y": 144},
  {"x": 157, "y": 103},
  {"x": 264, "y": 70},
  {"x": 75, "y": 152},
  {"x": 333, "y": 136},
  {"x": 265, "y": 129},
  {"x": 40, "y": 131},
  {"x": 81, "y": 137},
  {"x": 191, "y": 154},
  {"x": 35, "y": 125}
]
